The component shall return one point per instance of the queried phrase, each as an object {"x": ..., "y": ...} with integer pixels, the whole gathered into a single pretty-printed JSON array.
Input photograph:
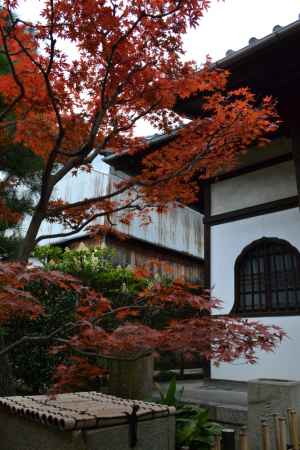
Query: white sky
[
  {"x": 230, "y": 24},
  {"x": 227, "y": 25}
]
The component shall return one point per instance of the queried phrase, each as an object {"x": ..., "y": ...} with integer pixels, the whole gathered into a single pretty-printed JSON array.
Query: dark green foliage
[
  {"x": 20, "y": 172},
  {"x": 32, "y": 364},
  {"x": 194, "y": 429},
  {"x": 95, "y": 268},
  {"x": 19, "y": 180},
  {"x": 172, "y": 396}
]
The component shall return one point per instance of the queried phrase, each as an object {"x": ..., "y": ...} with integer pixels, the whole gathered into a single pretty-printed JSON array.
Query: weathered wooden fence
[{"x": 285, "y": 429}]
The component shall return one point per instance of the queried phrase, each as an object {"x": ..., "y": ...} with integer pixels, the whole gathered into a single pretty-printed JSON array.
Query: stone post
[
  {"x": 132, "y": 379},
  {"x": 267, "y": 397}
]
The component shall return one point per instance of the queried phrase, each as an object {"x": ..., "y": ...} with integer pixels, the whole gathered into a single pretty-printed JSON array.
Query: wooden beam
[
  {"x": 207, "y": 254},
  {"x": 296, "y": 153},
  {"x": 253, "y": 211},
  {"x": 207, "y": 234}
]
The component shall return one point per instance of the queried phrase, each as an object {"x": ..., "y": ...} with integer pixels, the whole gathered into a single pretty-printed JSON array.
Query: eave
[{"x": 268, "y": 66}]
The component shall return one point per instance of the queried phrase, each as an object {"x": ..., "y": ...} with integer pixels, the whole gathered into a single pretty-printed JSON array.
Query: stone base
[
  {"x": 132, "y": 379},
  {"x": 19, "y": 434},
  {"x": 267, "y": 397}
]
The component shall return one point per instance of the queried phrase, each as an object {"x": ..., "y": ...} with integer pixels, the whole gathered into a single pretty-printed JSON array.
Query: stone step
[
  {"x": 226, "y": 402},
  {"x": 227, "y": 414},
  {"x": 189, "y": 374}
]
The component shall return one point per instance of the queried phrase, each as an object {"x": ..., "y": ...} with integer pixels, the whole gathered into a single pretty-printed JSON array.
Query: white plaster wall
[
  {"x": 261, "y": 186},
  {"x": 180, "y": 228},
  {"x": 228, "y": 240}
]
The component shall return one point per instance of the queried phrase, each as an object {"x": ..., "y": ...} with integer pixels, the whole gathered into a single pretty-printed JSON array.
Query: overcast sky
[
  {"x": 230, "y": 24},
  {"x": 227, "y": 25}
]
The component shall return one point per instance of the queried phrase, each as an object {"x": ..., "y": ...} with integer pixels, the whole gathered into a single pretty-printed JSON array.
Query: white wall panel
[
  {"x": 282, "y": 364},
  {"x": 228, "y": 240},
  {"x": 261, "y": 186}
]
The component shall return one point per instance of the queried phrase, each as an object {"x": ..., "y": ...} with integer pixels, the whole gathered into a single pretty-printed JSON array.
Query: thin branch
[
  {"x": 166, "y": 14},
  {"x": 70, "y": 326},
  {"x": 46, "y": 178},
  {"x": 20, "y": 85},
  {"x": 97, "y": 354},
  {"x": 79, "y": 228},
  {"x": 52, "y": 40},
  {"x": 88, "y": 201},
  {"x": 46, "y": 338}
]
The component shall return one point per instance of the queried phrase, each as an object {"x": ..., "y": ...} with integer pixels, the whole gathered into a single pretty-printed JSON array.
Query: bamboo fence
[{"x": 285, "y": 429}]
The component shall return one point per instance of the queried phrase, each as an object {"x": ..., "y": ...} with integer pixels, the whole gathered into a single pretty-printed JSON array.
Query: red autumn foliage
[
  {"x": 217, "y": 338},
  {"x": 70, "y": 109},
  {"x": 127, "y": 65}
]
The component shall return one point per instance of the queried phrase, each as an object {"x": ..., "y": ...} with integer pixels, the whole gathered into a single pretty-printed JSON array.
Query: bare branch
[
  {"x": 130, "y": 206},
  {"x": 70, "y": 326},
  {"x": 88, "y": 201}
]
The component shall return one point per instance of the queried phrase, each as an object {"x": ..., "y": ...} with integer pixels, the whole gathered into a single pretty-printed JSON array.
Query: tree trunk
[{"x": 28, "y": 243}]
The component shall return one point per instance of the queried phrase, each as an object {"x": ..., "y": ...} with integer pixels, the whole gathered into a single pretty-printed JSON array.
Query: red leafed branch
[
  {"x": 217, "y": 338},
  {"x": 68, "y": 109}
]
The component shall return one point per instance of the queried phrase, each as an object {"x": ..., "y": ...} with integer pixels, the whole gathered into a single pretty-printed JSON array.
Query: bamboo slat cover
[{"x": 81, "y": 410}]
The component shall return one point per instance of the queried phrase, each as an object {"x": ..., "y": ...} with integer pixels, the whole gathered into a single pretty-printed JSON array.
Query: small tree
[
  {"x": 127, "y": 66},
  {"x": 88, "y": 338}
]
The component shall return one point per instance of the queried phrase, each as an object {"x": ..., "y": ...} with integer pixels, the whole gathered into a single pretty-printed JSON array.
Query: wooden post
[
  {"x": 277, "y": 430},
  {"x": 294, "y": 429},
  {"x": 282, "y": 431},
  {"x": 207, "y": 255},
  {"x": 228, "y": 439},
  {"x": 217, "y": 442},
  {"x": 243, "y": 439},
  {"x": 265, "y": 436},
  {"x": 296, "y": 152}
]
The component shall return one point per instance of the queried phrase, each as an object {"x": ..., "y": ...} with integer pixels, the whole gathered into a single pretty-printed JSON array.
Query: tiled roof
[
  {"x": 80, "y": 410},
  {"x": 255, "y": 44},
  {"x": 231, "y": 57}
]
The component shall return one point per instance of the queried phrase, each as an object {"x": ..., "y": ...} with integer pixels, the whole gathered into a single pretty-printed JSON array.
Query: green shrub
[
  {"x": 94, "y": 267},
  {"x": 172, "y": 396},
  {"x": 193, "y": 427},
  {"x": 33, "y": 365}
]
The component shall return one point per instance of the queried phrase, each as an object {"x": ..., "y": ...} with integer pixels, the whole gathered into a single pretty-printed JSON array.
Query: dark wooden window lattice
[{"x": 267, "y": 278}]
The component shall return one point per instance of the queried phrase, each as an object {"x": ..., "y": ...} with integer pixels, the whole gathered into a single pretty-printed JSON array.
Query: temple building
[
  {"x": 247, "y": 221},
  {"x": 251, "y": 214}
]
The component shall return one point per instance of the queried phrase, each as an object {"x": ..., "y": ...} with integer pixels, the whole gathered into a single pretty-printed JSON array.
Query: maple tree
[
  {"x": 87, "y": 339},
  {"x": 126, "y": 65},
  {"x": 71, "y": 108}
]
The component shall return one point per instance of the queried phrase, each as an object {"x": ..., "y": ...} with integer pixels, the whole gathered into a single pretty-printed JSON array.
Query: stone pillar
[
  {"x": 267, "y": 397},
  {"x": 132, "y": 379}
]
